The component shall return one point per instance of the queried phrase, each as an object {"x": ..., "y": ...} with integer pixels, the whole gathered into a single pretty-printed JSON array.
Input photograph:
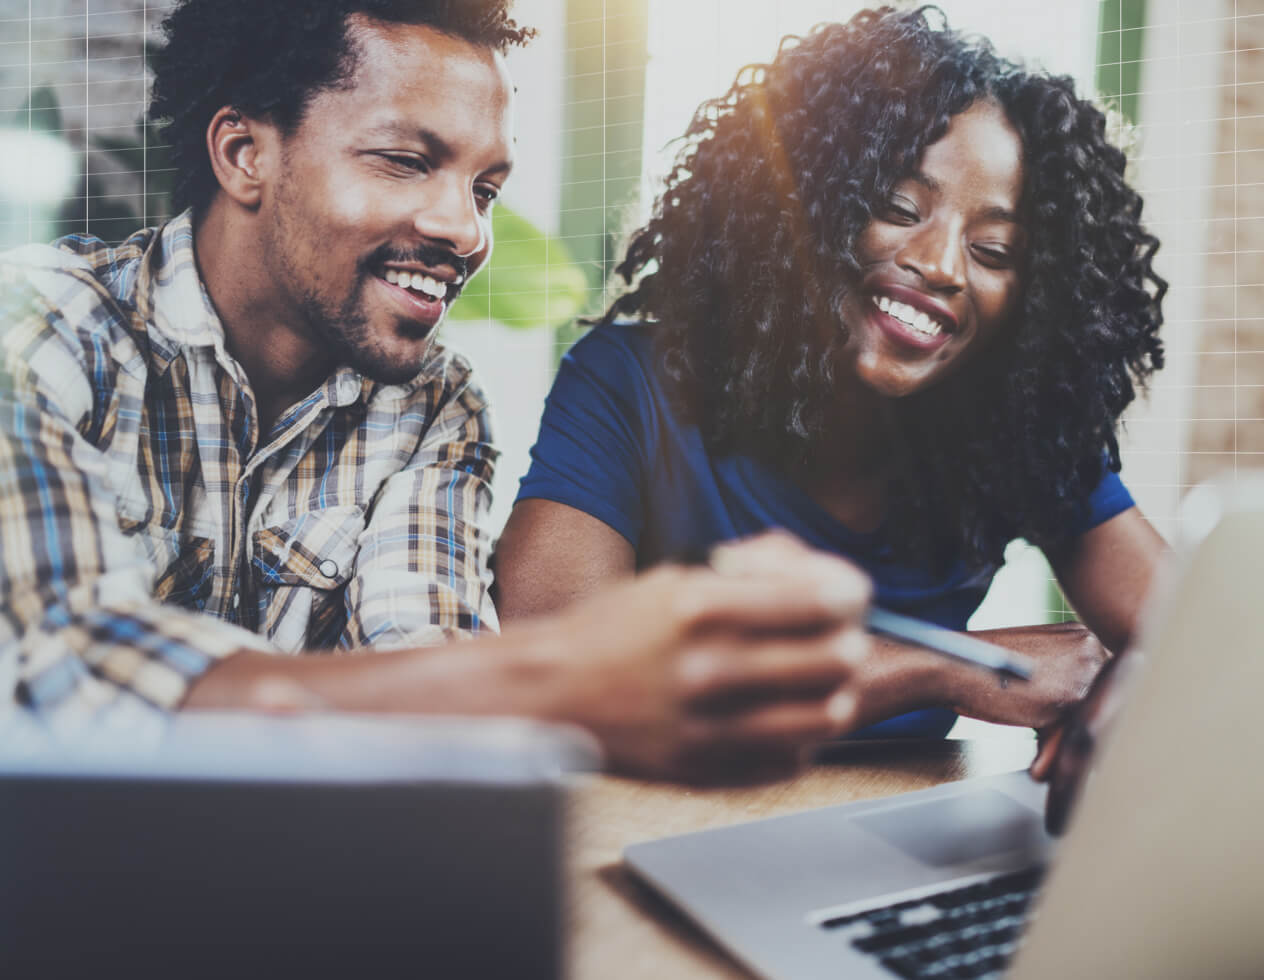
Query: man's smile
[{"x": 421, "y": 299}]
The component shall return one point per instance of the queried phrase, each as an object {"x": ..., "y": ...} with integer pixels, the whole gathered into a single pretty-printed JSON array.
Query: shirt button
[{"x": 329, "y": 568}]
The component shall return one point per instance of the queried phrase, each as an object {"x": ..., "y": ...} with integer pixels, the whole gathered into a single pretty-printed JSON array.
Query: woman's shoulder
[{"x": 619, "y": 339}]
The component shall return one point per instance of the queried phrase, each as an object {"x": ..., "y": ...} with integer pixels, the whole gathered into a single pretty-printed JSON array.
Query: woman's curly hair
[
  {"x": 268, "y": 58},
  {"x": 751, "y": 249}
]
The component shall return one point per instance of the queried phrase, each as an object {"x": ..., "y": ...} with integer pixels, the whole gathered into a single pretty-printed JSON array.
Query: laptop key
[{"x": 968, "y": 932}]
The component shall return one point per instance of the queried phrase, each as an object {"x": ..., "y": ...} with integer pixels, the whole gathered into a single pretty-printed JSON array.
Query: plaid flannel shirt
[{"x": 146, "y": 527}]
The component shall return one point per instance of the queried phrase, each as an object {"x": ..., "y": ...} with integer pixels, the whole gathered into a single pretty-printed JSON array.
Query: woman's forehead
[{"x": 980, "y": 152}]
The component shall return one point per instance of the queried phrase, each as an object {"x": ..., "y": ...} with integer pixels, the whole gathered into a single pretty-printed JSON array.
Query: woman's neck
[{"x": 850, "y": 474}]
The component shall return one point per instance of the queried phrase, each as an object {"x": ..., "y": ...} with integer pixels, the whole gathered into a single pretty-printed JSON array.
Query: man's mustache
[{"x": 428, "y": 255}]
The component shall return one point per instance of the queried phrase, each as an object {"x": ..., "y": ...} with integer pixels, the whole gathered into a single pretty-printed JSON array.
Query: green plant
[{"x": 531, "y": 281}]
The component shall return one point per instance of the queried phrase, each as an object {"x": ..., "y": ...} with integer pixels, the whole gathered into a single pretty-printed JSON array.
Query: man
[{"x": 235, "y": 437}]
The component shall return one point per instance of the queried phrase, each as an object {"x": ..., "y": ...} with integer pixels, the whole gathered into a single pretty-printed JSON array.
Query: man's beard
[{"x": 346, "y": 330}]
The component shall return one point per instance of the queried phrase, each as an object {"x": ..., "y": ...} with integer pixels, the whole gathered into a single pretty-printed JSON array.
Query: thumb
[{"x": 1050, "y": 741}]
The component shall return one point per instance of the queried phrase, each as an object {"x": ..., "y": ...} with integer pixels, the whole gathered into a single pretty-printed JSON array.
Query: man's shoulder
[
  {"x": 76, "y": 263},
  {"x": 67, "y": 307}
]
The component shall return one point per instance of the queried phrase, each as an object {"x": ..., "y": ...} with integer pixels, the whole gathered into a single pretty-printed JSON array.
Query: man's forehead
[
  {"x": 412, "y": 79},
  {"x": 389, "y": 52}
]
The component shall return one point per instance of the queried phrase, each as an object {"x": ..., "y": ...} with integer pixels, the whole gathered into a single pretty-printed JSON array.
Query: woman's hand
[
  {"x": 1067, "y": 658},
  {"x": 1067, "y": 746}
]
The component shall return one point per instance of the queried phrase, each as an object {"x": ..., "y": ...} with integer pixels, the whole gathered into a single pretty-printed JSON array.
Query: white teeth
[
  {"x": 429, "y": 285},
  {"x": 917, "y": 319}
]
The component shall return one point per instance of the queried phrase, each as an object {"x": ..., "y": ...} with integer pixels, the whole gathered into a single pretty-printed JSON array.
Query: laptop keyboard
[{"x": 967, "y": 932}]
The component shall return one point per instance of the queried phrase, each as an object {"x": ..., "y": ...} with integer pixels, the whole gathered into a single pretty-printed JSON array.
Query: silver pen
[{"x": 959, "y": 646}]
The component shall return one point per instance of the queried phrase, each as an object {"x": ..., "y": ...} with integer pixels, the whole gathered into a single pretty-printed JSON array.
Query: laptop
[
  {"x": 1160, "y": 875},
  {"x": 315, "y": 846}
]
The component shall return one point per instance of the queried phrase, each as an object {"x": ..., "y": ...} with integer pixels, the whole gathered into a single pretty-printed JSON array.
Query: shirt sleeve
[
  {"x": 1109, "y": 498},
  {"x": 595, "y": 434},
  {"x": 81, "y": 634},
  {"x": 421, "y": 574}
]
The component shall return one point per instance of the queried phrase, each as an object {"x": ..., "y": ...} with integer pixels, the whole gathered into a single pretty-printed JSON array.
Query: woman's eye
[
  {"x": 994, "y": 256},
  {"x": 900, "y": 211}
]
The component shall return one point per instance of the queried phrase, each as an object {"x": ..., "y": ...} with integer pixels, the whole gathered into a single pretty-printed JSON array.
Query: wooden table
[{"x": 620, "y": 930}]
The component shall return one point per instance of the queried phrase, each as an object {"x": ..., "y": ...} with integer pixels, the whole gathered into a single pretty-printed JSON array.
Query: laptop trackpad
[{"x": 956, "y": 829}]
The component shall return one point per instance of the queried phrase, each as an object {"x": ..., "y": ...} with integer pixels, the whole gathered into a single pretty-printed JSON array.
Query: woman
[{"x": 893, "y": 298}]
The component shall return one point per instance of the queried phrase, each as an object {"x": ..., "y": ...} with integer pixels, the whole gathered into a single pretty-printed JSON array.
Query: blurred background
[{"x": 603, "y": 91}]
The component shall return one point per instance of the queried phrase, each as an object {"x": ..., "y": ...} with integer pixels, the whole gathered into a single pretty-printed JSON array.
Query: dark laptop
[{"x": 314, "y": 847}]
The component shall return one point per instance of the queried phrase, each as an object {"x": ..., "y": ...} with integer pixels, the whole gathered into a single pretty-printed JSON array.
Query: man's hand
[
  {"x": 701, "y": 674},
  {"x": 713, "y": 673},
  {"x": 1066, "y": 746}
]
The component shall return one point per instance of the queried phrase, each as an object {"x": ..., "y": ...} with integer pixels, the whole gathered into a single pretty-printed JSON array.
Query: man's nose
[
  {"x": 448, "y": 217},
  {"x": 935, "y": 253}
]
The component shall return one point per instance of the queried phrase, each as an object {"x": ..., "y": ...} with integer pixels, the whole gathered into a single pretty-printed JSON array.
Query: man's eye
[
  {"x": 406, "y": 161},
  {"x": 486, "y": 194}
]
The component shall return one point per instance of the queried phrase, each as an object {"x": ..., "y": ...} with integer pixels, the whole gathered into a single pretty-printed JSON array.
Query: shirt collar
[
  {"x": 172, "y": 297},
  {"x": 174, "y": 301}
]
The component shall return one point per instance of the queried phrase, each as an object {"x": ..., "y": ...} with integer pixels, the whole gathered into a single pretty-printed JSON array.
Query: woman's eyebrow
[{"x": 998, "y": 213}]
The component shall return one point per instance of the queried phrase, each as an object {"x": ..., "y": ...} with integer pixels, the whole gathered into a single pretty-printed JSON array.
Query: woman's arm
[
  {"x": 1105, "y": 574},
  {"x": 551, "y": 555}
]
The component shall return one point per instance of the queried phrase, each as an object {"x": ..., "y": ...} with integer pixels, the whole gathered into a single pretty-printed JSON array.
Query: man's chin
[
  {"x": 389, "y": 369},
  {"x": 397, "y": 373}
]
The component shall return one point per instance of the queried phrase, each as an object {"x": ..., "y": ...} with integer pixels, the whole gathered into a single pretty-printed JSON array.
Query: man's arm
[
  {"x": 680, "y": 673},
  {"x": 80, "y": 624},
  {"x": 421, "y": 568}
]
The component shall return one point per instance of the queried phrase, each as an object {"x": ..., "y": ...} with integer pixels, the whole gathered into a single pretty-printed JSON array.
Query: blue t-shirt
[{"x": 612, "y": 445}]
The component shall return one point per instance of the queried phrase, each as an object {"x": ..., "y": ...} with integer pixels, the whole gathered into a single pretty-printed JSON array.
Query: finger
[
  {"x": 732, "y": 677},
  {"x": 769, "y": 601},
  {"x": 753, "y": 555},
  {"x": 1050, "y": 743},
  {"x": 794, "y": 724},
  {"x": 775, "y": 552}
]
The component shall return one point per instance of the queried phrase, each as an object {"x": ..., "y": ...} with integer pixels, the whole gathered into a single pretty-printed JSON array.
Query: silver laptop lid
[{"x": 1162, "y": 871}]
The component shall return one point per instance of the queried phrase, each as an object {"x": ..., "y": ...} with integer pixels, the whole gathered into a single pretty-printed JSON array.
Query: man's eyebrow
[
  {"x": 993, "y": 213},
  {"x": 436, "y": 144}
]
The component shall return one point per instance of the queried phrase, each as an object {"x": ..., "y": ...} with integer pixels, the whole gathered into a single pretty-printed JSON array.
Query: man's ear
[{"x": 236, "y": 145}]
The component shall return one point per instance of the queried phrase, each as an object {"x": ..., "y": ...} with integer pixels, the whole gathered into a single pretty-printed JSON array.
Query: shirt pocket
[
  {"x": 184, "y": 565},
  {"x": 302, "y": 568}
]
